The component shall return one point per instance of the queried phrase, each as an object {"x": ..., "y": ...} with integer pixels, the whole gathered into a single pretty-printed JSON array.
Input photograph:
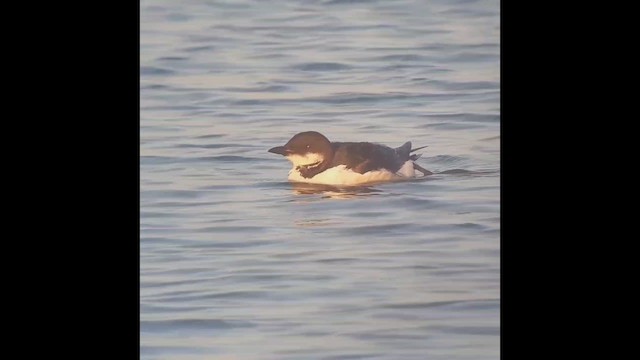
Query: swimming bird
[{"x": 317, "y": 160}]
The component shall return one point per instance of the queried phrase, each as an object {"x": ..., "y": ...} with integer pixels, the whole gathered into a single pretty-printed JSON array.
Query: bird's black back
[{"x": 364, "y": 156}]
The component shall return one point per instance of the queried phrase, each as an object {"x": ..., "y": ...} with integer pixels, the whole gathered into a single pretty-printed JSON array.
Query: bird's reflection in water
[
  {"x": 333, "y": 192},
  {"x": 313, "y": 223}
]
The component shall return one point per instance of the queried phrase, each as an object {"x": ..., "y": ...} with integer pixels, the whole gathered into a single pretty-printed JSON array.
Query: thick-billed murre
[{"x": 317, "y": 160}]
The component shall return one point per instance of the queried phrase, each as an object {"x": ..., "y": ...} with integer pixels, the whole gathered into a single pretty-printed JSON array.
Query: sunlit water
[{"x": 238, "y": 263}]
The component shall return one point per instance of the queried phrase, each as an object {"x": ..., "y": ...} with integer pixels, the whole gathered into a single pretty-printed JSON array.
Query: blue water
[{"x": 238, "y": 263}]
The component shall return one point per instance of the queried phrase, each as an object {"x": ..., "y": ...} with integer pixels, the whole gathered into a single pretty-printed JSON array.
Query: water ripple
[
  {"x": 234, "y": 258},
  {"x": 201, "y": 324},
  {"x": 322, "y": 67}
]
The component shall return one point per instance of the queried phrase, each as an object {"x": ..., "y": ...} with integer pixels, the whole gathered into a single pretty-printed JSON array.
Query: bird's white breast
[{"x": 340, "y": 175}]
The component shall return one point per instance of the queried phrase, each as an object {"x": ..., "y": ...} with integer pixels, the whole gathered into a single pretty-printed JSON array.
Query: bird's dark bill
[{"x": 278, "y": 150}]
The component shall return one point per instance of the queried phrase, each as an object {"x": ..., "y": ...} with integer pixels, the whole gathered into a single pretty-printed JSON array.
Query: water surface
[{"x": 237, "y": 263}]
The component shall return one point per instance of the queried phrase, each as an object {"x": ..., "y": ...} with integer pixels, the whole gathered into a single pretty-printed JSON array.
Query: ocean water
[{"x": 238, "y": 263}]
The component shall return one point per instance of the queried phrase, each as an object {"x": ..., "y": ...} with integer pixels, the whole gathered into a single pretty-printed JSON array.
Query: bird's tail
[
  {"x": 421, "y": 147},
  {"x": 406, "y": 149},
  {"x": 415, "y": 157}
]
